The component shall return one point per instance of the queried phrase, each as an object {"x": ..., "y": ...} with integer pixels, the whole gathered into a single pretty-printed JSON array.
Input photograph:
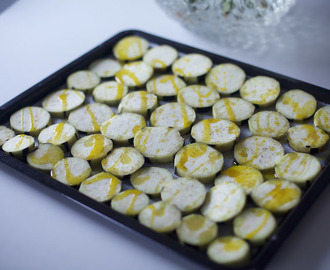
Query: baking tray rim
[{"x": 36, "y": 92}]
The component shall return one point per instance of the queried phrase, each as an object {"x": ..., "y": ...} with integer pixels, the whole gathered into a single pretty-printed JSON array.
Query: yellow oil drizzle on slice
[
  {"x": 179, "y": 71},
  {"x": 123, "y": 47},
  {"x": 258, "y": 121},
  {"x": 154, "y": 86},
  {"x": 228, "y": 196},
  {"x": 32, "y": 127},
  {"x": 142, "y": 145},
  {"x": 180, "y": 97},
  {"x": 125, "y": 72},
  {"x": 209, "y": 93},
  {"x": 230, "y": 244},
  {"x": 312, "y": 134},
  {"x": 269, "y": 128},
  {"x": 155, "y": 116},
  {"x": 197, "y": 168},
  {"x": 137, "y": 128},
  {"x": 144, "y": 100},
  {"x": 98, "y": 177},
  {"x": 201, "y": 97},
  {"x": 126, "y": 193},
  {"x": 207, "y": 234},
  {"x": 124, "y": 158},
  {"x": 113, "y": 182},
  {"x": 290, "y": 158},
  {"x": 191, "y": 152},
  {"x": 139, "y": 45},
  {"x": 52, "y": 156},
  {"x": 97, "y": 144},
  {"x": 64, "y": 101},
  {"x": 207, "y": 132},
  {"x": 279, "y": 196},
  {"x": 163, "y": 140},
  {"x": 68, "y": 174},
  {"x": 225, "y": 82},
  {"x": 229, "y": 109},
  {"x": 185, "y": 119},
  {"x": 265, "y": 215},
  {"x": 130, "y": 208},
  {"x": 156, "y": 212},
  {"x": 215, "y": 77},
  {"x": 195, "y": 223},
  {"x": 139, "y": 180},
  {"x": 265, "y": 97},
  {"x": 104, "y": 127},
  {"x": 301, "y": 111},
  {"x": 154, "y": 63},
  {"x": 212, "y": 80},
  {"x": 96, "y": 126},
  {"x": 19, "y": 144},
  {"x": 197, "y": 90},
  {"x": 269, "y": 125},
  {"x": 245, "y": 176},
  {"x": 255, "y": 153},
  {"x": 120, "y": 91},
  {"x": 89, "y": 79},
  {"x": 80, "y": 94},
  {"x": 170, "y": 78},
  {"x": 70, "y": 177},
  {"x": 214, "y": 156},
  {"x": 235, "y": 172},
  {"x": 31, "y": 119},
  {"x": 58, "y": 132},
  {"x": 176, "y": 193},
  {"x": 160, "y": 185}
]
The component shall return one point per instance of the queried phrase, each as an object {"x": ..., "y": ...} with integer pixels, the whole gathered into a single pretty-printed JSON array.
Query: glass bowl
[{"x": 241, "y": 21}]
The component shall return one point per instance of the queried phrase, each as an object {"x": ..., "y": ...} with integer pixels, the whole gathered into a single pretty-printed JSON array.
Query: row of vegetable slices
[{"x": 191, "y": 126}]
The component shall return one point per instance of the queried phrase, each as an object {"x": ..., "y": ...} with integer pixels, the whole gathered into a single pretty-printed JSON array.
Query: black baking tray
[{"x": 54, "y": 81}]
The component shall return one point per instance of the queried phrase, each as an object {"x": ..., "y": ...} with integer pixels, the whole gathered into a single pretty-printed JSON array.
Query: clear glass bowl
[{"x": 241, "y": 20}]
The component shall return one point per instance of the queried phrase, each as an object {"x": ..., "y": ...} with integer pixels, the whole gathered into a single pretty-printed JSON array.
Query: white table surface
[{"x": 39, "y": 228}]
